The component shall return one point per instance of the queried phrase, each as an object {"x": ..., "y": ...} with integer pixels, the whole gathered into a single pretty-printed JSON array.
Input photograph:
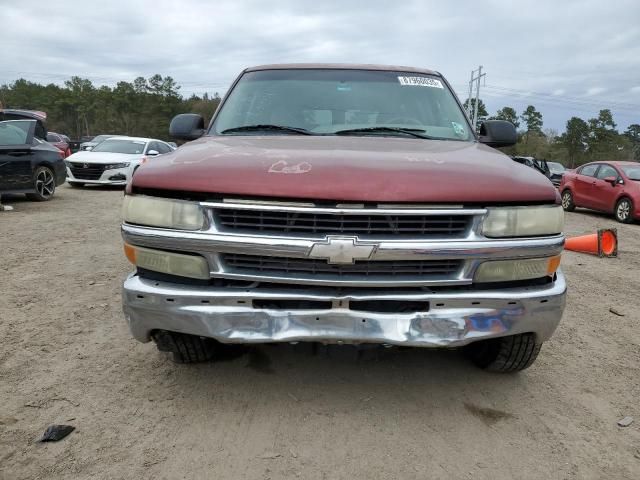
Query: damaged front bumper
[{"x": 254, "y": 315}]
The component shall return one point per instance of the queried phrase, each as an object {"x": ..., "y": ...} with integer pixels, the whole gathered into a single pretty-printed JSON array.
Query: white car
[{"x": 113, "y": 161}]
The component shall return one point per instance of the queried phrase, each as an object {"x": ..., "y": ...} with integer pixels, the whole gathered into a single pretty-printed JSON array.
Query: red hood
[{"x": 372, "y": 169}]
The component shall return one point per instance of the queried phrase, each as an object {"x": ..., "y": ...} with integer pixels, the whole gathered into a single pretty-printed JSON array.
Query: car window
[
  {"x": 589, "y": 170},
  {"x": 15, "y": 132},
  {"x": 163, "y": 148},
  {"x": 555, "y": 167},
  {"x": 607, "y": 171},
  {"x": 153, "y": 146},
  {"x": 132, "y": 147},
  {"x": 632, "y": 172},
  {"x": 325, "y": 101}
]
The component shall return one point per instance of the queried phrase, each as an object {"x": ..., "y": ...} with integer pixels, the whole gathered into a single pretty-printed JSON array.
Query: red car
[
  {"x": 61, "y": 142},
  {"x": 612, "y": 187}
]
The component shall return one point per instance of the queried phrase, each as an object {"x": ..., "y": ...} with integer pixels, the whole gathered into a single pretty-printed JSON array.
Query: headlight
[
  {"x": 113, "y": 166},
  {"x": 162, "y": 212},
  {"x": 192, "y": 266},
  {"x": 512, "y": 270},
  {"x": 523, "y": 221}
]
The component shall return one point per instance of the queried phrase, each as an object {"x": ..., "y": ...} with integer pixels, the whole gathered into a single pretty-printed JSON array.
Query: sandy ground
[{"x": 66, "y": 356}]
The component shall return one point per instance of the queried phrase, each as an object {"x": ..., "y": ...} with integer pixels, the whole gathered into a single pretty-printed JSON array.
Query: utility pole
[{"x": 476, "y": 79}]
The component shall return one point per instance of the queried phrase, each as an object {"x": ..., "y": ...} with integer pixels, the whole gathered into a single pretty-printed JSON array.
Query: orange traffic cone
[{"x": 604, "y": 243}]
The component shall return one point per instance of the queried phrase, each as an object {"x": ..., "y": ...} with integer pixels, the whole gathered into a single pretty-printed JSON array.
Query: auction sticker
[{"x": 421, "y": 82}]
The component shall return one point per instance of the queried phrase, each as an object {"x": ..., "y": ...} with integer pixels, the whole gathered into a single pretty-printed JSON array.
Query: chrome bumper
[{"x": 453, "y": 319}]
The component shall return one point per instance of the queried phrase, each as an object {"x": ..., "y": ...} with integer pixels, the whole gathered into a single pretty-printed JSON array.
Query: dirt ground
[{"x": 66, "y": 356}]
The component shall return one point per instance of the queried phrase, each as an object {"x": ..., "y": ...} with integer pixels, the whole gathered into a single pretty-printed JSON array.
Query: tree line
[
  {"x": 583, "y": 141},
  {"x": 79, "y": 108},
  {"x": 145, "y": 107}
]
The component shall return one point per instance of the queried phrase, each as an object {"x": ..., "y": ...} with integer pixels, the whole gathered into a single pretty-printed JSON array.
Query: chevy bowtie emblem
[
  {"x": 85, "y": 165},
  {"x": 342, "y": 250}
]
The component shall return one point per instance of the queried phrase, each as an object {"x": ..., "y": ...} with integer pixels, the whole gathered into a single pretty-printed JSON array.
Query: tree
[
  {"x": 575, "y": 139},
  {"x": 533, "y": 121},
  {"x": 469, "y": 106},
  {"x": 633, "y": 134},
  {"x": 603, "y": 136},
  {"x": 509, "y": 114}
]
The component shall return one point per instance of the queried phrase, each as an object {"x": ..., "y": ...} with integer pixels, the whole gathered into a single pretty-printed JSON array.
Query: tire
[
  {"x": 506, "y": 354},
  {"x": 624, "y": 210},
  {"x": 75, "y": 184},
  {"x": 44, "y": 183},
  {"x": 567, "y": 201},
  {"x": 185, "y": 348}
]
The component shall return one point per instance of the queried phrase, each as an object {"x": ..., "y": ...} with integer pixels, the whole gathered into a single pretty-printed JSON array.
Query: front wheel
[
  {"x": 567, "y": 201},
  {"x": 44, "y": 183},
  {"x": 624, "y": 209},
  {"x": 185, "y": 348},
  {"x": 506, "y": 354}
]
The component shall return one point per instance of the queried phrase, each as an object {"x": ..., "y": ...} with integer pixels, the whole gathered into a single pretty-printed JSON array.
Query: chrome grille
[
  {"x": 267, "y": 265},
  {"x": 282, "y": 222}
]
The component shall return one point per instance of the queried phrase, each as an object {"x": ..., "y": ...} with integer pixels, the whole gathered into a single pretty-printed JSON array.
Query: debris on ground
[
  {"x": 625, "y": 422},
  {"x": 616, "y": 312},
  {"x": 270, "y": 455},
  {"x": 56, "y": 432}
]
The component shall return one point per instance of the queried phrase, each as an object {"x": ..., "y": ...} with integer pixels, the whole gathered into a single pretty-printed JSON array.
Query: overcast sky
[{"x": 568, "y": 58}]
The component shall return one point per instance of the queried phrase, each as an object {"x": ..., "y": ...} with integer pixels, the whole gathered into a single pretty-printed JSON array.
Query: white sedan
[{"x": 113, "y": 161}]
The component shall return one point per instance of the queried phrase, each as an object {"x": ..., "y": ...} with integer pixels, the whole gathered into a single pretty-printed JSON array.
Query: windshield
[
  {"x": 556, "y": 167},
  {"x": 328, "y": 101},
  {"x": 121, "y": 146},
  {"x": 632, "y": 172}
]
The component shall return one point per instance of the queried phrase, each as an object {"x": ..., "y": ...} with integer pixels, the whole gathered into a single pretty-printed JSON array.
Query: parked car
[
  {"x": 343, "y": 204},
  {"x": 112, "y": 161},
  {"x": 28, "y": 164},
  {"x": 89, "y": 144},
  {"x": 61, "y": 142},
  {"x": 556, "y": 171},
  {"x": 611, "y": 187}
]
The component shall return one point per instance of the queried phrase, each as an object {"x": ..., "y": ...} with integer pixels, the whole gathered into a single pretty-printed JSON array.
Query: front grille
[
  {"x": 252, "y": 221},
  {"x": 92, "y": 172},
  {"x": 279, "y": 266}
]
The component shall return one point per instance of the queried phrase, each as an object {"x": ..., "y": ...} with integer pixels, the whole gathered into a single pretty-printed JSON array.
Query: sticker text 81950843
[{"x": 421, "y": 81}]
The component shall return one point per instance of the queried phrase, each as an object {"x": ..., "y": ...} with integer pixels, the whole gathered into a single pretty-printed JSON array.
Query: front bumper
[
  {"x": 454, "y": 319},
  {"x": 121, "y": 175}
]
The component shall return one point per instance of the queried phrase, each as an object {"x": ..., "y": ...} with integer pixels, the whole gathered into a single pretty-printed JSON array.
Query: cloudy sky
[{"x": 568, "y": 58}]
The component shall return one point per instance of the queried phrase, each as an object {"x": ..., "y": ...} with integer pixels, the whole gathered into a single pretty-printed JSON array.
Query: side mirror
[
  {"x": 611, "y": 180},
  {"x": 498, "y": 133},
  {"x": 88, "y": 148},
  {"x": 153, "y": 153},
  {"x": 187, "y": 126}
]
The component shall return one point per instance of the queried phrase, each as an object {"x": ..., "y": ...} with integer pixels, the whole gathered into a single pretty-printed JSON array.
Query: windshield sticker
[
  {"x": 458, "y": 129},
  {"x": 421, "y": 82}
]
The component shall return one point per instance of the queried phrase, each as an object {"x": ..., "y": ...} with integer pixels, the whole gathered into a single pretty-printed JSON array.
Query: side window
[
  {"x": 152, "y": 146},
  {"x": 607, "y": 171},
  {"x": 163, "y": 148},
  {"x": 589, "y": 170},
  {"x": 14, "y": 132}
]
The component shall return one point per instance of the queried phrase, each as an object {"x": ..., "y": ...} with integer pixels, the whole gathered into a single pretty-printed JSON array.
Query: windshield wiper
[
  {"x": 257, "y": 128},
  {"x": 414, "y": 132}
]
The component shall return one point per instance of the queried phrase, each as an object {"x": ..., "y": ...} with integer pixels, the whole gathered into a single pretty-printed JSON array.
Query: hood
[
  {"x": 375, "y": 169},
  {"x": 102, "y": 157}
]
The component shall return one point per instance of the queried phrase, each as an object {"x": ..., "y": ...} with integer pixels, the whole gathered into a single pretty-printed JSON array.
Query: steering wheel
[{"x": 405, "y": 120}]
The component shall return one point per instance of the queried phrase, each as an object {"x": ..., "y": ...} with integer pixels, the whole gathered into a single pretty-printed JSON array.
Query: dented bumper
[{"x": 252, "y": 315}]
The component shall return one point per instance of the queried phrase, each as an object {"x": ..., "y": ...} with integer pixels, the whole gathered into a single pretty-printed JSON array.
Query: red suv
[{"x": 612, "y": 187}]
